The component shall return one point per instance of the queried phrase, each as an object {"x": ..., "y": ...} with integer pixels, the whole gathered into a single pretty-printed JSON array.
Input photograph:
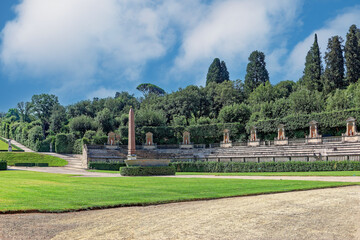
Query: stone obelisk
[{"x": 131, "y": 144}]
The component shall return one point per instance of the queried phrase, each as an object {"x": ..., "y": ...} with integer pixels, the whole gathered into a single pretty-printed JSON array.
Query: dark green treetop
[
  {"x": 217, "y": 72},
  {"x": 148, "y": 88},
  {"x": 352, "y": 54},
  {"x": 313, "y": 68},
  {"x": 334, "y": 70},
  {"x": 256, "y": 72}
]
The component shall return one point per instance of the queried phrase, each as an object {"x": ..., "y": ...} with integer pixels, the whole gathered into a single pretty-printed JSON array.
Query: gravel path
[{"x": 316, "y": 214}]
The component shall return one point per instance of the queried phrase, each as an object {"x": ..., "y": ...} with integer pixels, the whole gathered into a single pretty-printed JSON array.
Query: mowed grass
[
  {"x": 13, "y": 158},
  {"x": 3, "y": 146},
  {"x": 23, "y": 190},
  {"x": 329, "y": 173}
]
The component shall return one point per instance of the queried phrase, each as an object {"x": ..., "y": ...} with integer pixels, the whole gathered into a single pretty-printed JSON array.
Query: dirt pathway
[{"x": 316, "y": 214}]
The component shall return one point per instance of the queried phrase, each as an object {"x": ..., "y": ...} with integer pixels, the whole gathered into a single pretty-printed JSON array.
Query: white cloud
[
  {"x": 232, "y": 29},
  {"x": 101, "y": 93},
  {"x": 338, "y": 26},
  {"x": 76, "y": 40}
]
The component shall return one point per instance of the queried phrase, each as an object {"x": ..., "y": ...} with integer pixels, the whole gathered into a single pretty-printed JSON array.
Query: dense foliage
[
  {"x": 327, "y": 94},
  {"x": 228, "y": 167},
  {"x": 147, "y": 171},
  {"x": 3, "y": 165}
]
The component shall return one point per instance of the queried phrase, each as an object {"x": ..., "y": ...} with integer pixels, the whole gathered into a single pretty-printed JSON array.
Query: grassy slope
[
  {"x": 55, "y": 192},
  {"x": 13, "y": 158},
  {"x": 4, "y": 145},
  {"x": 330, "y": 173}
]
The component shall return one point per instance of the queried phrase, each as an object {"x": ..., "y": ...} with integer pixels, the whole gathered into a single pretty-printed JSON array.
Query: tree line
[{"x": 324, "y": 87}]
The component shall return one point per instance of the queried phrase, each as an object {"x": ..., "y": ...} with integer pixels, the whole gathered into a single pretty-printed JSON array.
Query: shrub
[
  {"x": 266, "y": 166},
  {"x": 112, "y": 166},
  {"x": 64, "y": 143},
  {"x": 3, "y": 165},
  {"x": 61, "y": 143},
  {"x": 31, "y": 164},
  {"x": 77, "y": 149},
  {"x": 147, "y": 171}
]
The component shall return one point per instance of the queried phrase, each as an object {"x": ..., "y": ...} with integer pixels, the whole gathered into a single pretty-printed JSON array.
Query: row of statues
[{"x": 314, "y": 137}]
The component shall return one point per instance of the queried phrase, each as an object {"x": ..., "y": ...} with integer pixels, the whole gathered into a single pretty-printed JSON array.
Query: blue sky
[{"x": 80, "y": 49}]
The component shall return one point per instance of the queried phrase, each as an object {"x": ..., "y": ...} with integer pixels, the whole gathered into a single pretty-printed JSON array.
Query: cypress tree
[
  {"x": 224, "y": 72},
  {"x": 256, "y": 72},
  {"x": 334, "y": 59},
  {"x": 352, "y": 55},
  {"x": 214, "y": 72},
  {"x": 313, "y": 68}
]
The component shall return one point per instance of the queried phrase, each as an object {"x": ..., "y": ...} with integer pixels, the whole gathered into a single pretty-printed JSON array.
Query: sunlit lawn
[
  {"x": 23, "y": 190},
  {"x": 13, "y": 158}
]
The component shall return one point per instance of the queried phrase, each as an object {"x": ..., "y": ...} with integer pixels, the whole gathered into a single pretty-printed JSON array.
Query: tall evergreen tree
[
  {"x": 224, "y": 72},
  {"x": 218, "y": 72},
  {"x": 352, "y": 54},
  {"x": 214, "y": 73},
  {"x": 256, "y": 72},
  {"x": 313, "y": 68},
  {"x": 335, "y": 70}
]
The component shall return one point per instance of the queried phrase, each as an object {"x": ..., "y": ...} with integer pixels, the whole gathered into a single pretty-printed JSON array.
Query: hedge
[
  {"x": 330, "y": 123},
  {"x": 113, "y": 166},
  {"x": 31, "y": 164},
  {"x": 228, "y": 167},
  {"x": 3, "y": 165},
  {"x": 200, "y": 134},
  {"x": 147, "y": 171}
]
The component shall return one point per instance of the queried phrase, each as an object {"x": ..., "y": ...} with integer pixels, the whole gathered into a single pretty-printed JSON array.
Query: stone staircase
[{"x": 74, "y": 160}]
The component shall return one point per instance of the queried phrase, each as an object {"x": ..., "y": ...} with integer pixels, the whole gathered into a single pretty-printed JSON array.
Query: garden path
[{"x": 316, "y": 214}]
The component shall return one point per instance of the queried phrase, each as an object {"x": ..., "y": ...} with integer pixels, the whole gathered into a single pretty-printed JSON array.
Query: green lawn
[
  {"x": 330, "y": 173},
  {"x": 4, "y": 146},
  {"x": 23, "y": 190},
  {"x": 13, "y": 158}
]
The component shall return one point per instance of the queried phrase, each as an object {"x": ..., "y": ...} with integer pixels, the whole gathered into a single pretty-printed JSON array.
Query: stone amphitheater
[{"x": 326, "y": 151}]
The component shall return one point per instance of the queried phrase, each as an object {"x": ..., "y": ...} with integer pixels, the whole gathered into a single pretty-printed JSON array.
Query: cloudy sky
[{"x": 80, "y": 49}]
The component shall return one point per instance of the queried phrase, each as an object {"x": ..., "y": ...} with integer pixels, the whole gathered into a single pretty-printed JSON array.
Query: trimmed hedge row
[
  {"x": 228, "y": 167},
  {"x": 113, "y": 166},
  {"x": 3, "y": 165},
  {"x": 200, "y": 134},
  {"x": 31, "y": 164},
  {"x": 147, "y": 171},
  {"x": 330, "y": 123}
]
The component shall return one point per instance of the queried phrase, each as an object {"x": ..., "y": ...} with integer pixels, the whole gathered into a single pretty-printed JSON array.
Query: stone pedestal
[
  {"x": 314, "y": 137},
  {"x": 351, "y": 134},
  {"x": 186, "y": 144},
  {"x": 226, "y": 143},
  {"x": 283, "y": 142},
  {"x": 254, "y": 143},
  {"x": 149, "y": 147},
  {"x": 281, "y": 139},
  {"x": 111, "y": 138},
  {"x": 149, "y": 144}
]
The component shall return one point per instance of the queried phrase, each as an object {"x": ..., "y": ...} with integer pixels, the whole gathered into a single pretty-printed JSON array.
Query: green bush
[
  {"x": 3, "y": 165},
  {"x": 226, "y": 167},
  {"x": 100, "y": 140},
  {"x": 112, "y": 166},
  {"x": 64, "y": 143},
  {"x": 77, "y": 149},
  {"x": 31, "y": 164},
  {"x": 147, "y": 171}
]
